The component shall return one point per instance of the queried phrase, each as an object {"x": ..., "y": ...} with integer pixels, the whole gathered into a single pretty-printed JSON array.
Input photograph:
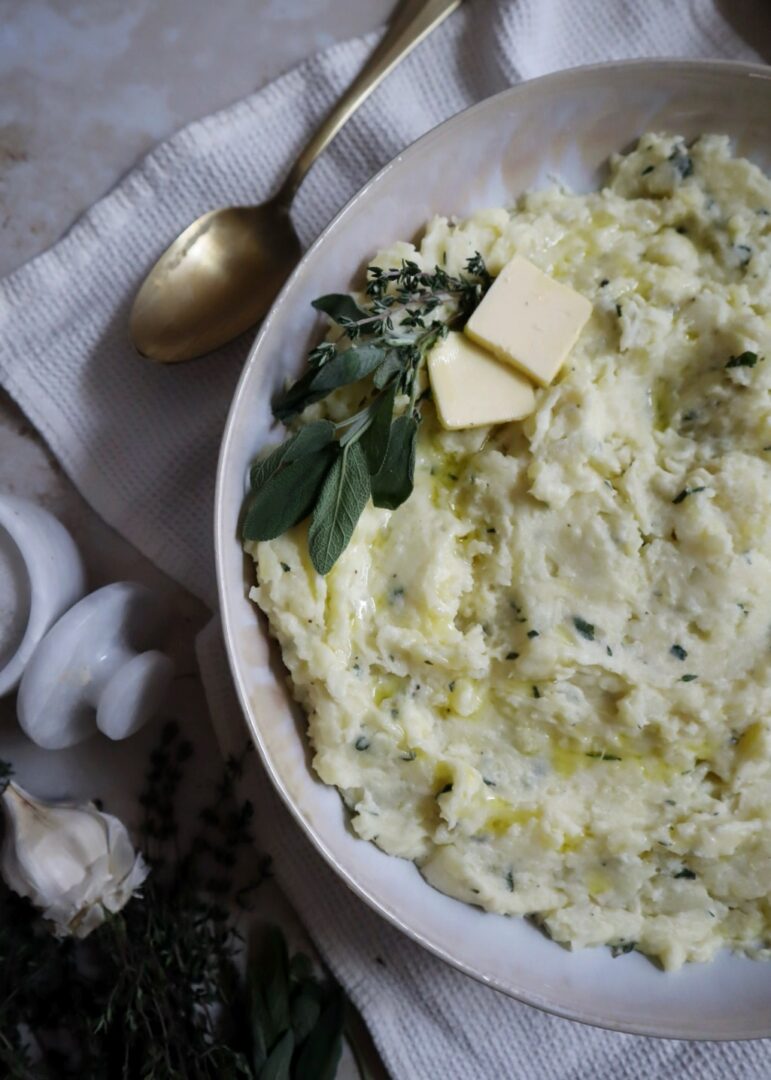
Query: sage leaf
[
  {"x": 287, "y": 496},
  {"x": 259, "y": 1024},
  {"x": 275, "y": 973},
  {"x": 340, "y": 307},
  {"x": 308, "y": 440},
  {"x": 392, "y": 365},
  {"x": 305, "y": 1010},
  {"x": 374, "y": 441},
  {"x": 393, "y": 483},
  {"x": 279, "y": 1062},
  {"x": 320, "y": 1054},
  {"x": 345, "y": 368},
  {"x": 340, "y": 503}
]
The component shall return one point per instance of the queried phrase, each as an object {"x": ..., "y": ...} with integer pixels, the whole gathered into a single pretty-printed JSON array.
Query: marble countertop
[{"x": 87, "y": 88}]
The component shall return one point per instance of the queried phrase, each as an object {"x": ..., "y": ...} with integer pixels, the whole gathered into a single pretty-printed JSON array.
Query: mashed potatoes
[{"x": 546, "y": 678}]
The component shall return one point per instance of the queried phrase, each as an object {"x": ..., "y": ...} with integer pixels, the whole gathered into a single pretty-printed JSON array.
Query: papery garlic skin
[{"x": 75, "y": 863}]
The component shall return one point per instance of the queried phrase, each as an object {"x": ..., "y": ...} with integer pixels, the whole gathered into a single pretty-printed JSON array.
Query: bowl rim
[{"x": 222, "y": 536}]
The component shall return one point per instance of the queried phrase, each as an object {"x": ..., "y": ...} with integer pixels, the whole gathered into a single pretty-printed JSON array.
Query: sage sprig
[{"x": 329, "y": 469}]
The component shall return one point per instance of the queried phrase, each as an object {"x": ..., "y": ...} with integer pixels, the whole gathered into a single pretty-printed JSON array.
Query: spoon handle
[{"x": 412, "y": 23}]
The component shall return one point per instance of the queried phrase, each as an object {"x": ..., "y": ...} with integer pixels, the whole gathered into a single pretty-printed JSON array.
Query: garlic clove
[{"x": 74, "y": 863}]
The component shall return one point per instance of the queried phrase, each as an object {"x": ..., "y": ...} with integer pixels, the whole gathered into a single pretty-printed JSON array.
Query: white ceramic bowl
[{"x": 565, "y": 124}]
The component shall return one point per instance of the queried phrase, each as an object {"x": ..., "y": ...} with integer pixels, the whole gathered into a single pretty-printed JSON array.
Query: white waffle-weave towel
[{"x": 140, "y": 442}]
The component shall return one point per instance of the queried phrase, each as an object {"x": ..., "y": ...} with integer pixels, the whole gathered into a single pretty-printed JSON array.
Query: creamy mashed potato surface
[{"x": 546, "y": 678}]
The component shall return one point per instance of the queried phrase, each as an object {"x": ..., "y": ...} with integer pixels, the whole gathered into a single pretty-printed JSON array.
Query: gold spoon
[{"x": 221, "y": 274}]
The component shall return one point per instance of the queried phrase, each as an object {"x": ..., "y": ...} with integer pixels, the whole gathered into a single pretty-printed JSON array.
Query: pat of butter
[
  {"x": 529, "y": 320},
  {"x": 472, "y": 389}
]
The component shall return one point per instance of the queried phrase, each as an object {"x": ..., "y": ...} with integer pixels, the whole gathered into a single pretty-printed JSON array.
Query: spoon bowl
[{"x": 217, "y": 279}]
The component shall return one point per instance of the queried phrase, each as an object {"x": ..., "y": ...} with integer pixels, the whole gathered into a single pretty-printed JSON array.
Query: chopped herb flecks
[
  {"x": 512, "y": 655},
  {"x": 409, "y": 756},
  {"x": 362, "y": 743},
  {"x": 686, "y": 873},
  {"x": 682, "y": 162},
  {"x": 688, "y": 678},
  {"x": 745, "y": 359},
  {"x": 444, "y": 790},
  {"x": 585, "y": 629},
  {"x": 285, "y": 567},
  {"x": 679, "y": 652},
  {"x": 622, "y": 949},
  {"x": 685, "y": 493},
  {"x": 533, "y": 634},
  {"x": 600, "y": 755},
  {"x": 536, "y": 692},
  {"x": 510, "y": 881}
]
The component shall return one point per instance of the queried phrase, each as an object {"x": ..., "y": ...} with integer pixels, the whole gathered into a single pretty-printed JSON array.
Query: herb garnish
[
  {"x": 688, "y": 678},
  {"x": 685, "y": 873},
  {"x": 330, "y": 469},
  {"x": 745, "y": 359},
  {"x": 679, "y": 652}
]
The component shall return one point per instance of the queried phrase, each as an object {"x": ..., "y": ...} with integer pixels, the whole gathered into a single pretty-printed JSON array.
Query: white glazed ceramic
[
  {"x": 565, "y": 125},
  {"x": 91, "y": 672},
  {"x": 44, "y": 574}
]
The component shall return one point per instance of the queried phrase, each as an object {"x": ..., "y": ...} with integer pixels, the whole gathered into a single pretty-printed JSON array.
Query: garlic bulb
[{"x": 74, "y": 863}]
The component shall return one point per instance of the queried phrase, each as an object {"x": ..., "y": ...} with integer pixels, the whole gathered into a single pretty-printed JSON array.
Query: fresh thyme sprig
[{"x": 330, "y": 469}]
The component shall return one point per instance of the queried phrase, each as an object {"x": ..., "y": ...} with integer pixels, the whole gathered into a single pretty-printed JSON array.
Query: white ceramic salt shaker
[
  {"x": 96, "y": 669},
  {"x": 41, "y": 576}
]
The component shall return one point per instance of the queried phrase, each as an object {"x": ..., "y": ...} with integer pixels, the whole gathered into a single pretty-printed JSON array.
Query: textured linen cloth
[{"x": 141, "y": 441}]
